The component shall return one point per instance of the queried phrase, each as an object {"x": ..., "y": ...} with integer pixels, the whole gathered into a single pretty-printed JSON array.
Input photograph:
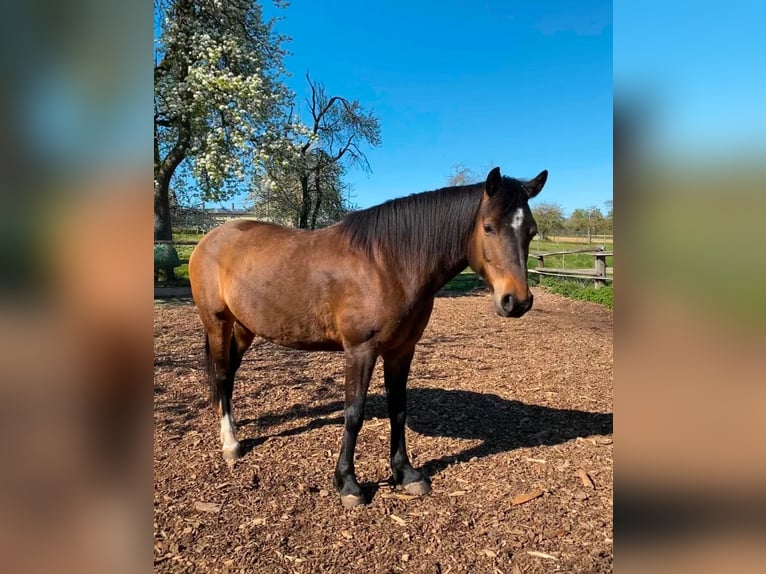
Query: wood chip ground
[{"x": 498, "y": 409}]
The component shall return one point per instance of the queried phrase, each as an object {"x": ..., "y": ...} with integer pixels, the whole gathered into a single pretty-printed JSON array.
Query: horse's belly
[
  {"x": 308, "y": 345},
  {"x": 305, "y": 331},
  {"x": 303, "y": 340}
]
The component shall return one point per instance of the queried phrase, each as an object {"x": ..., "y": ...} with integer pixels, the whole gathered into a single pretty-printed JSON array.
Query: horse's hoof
[
  {"x": 418, "y": 488},
  {"x": 231, "y": 452},
  {"x": 351, "y": 500}
]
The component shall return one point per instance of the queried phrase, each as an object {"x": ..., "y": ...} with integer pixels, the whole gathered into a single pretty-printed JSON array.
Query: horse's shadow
[{"x": 501, "y": 425}]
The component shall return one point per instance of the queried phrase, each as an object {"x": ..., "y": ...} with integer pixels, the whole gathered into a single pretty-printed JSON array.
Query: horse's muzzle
[{"x": 509, "y": 306}]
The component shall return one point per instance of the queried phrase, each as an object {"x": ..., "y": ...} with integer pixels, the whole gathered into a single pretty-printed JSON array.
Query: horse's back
[
  {"x": 240, "y": 233},
  {"x": 227, "y": 252},
  {"x": 238, "y": 242}
]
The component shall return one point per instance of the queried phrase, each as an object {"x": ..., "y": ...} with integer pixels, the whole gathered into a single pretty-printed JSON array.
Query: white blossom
[{"x": 226, "y": 85}]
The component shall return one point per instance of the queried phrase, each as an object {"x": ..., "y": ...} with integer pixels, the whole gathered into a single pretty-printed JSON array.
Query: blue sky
[
  {"x": 696, "y": 70},
  {"x": 525, "y": 85}
]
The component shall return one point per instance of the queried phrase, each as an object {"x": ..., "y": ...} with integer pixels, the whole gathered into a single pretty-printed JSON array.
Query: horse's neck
[
  {"x": 438, "y": 273},
  {"x": 422, "y": 239},
  {"x": 447, "y": 272}
]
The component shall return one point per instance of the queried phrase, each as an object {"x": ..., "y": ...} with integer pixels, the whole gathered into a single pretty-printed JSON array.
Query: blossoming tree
[{"x": 221, "y": 108}]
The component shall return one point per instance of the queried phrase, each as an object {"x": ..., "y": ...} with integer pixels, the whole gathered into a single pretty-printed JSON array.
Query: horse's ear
[
  {"x": 494, "y": 182},
  {"x": 534, "y": 186}
]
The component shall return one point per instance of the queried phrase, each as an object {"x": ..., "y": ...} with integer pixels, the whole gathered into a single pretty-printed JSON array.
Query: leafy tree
[
  {"x": 586, "y": 221},
  {"x": 549, "y": 217},
  {"x": 577, "y": 222},
  {"x": 598, "y": 223},
  {"x": 609, "y": 217},
  {"x": 219, "y": 102},
  {"x": 306, "y": 188}
]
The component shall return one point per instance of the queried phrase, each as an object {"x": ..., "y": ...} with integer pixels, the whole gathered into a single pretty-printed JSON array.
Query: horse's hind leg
[
  {"x": 226, "y": 343},
  {"x": 221, "y": 381},
  {"x": 240, "y": 342}
]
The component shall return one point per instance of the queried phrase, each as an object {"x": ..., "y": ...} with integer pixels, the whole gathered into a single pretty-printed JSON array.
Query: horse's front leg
[
  {"x": 359, "y": 365},
  {"x": 396, "y": 369}
]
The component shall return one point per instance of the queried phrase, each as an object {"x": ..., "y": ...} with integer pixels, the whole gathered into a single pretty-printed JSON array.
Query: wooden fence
[{"x": 600, "y": 273}]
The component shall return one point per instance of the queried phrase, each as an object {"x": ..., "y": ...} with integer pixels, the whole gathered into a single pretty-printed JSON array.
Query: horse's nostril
[{"x": 506, "y": 302}]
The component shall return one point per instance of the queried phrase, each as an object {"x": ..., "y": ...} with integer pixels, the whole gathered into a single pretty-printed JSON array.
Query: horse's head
[{"x": 500, "y": 247}]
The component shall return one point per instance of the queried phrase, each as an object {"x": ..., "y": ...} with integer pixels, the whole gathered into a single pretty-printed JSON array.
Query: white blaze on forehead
[{"x": 518, "y": 219}]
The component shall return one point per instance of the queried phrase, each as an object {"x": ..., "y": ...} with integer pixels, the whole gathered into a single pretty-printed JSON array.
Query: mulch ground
[{"x": 510, "y": 418}]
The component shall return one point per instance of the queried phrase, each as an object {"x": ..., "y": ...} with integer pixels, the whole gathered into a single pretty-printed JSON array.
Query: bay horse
[{"x": 364, "y": 286}]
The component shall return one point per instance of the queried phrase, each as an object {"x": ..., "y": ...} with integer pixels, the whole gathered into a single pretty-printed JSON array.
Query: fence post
[
  {"x": 600, "y": 279},
  {"x": 540, "y": 263}
]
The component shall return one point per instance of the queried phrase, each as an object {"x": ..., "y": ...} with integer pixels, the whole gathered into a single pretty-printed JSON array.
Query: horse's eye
[{"x": 488, "y": 229}]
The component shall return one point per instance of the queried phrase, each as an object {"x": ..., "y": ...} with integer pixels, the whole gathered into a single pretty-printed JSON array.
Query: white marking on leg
[
  {"x": 228, "y": 439},
  {"x": 518, "y": 219}
]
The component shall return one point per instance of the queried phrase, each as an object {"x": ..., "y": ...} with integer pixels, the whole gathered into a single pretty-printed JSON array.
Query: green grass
[
  {"x": 184, "y": 236},
  {"x": 184, "y": 251},
  {"x": 580, "y": 289},
  {"x": 463, "y": 282}
]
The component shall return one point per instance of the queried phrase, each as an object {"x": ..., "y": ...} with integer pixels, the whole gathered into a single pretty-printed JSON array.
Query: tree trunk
[
  {"x": 163, "y": 229},
  {"x": 303, "y": 219},
  {"x": 163, "y": 173},
  {"x": 162, "y": 225},
  {"x": 317, "y": 200}
]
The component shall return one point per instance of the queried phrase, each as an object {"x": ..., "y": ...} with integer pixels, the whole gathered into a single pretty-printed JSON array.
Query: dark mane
[
  {"x": 416, "y": 232},
  {"x": 423, "y": 230}
]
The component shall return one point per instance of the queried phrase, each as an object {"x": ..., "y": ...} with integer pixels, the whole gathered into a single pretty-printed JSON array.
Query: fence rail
[
  {"x": 598, "y": 272},
  {"x": 594, "y": 238}
]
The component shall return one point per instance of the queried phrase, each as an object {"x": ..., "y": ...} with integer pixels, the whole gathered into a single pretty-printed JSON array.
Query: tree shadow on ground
[{"x": 500, "y": 424}]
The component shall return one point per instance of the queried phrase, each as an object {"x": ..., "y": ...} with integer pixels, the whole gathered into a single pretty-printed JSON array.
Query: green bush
[{"x": 165, "y": 255}]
